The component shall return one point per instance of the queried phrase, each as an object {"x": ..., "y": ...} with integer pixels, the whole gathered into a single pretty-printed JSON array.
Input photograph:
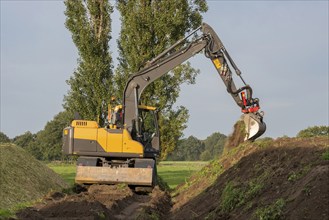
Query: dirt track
[{"x": 100, "y": 202}]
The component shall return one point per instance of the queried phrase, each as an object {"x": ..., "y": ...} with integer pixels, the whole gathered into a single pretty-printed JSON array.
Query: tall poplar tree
[
  {"x": 148, "y": 28},
  {"x": 91, "y": 84}
]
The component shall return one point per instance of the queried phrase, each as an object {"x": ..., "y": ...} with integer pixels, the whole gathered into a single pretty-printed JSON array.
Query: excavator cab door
[{"x": 149, "y": 129}]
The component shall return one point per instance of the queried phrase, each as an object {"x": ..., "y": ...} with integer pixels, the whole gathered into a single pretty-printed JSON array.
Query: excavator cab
[
  {"x": 145, "y": 130},
  {"x": 148, "y": 124}
]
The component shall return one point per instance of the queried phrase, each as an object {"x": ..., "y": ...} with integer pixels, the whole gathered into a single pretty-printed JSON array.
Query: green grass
[
  {"x": 325, "y": 155},
  {"x": 294, "y": 176},
  {"x": 172, "y": 172},
  {"x": 271, "y": 212},
  {"x": 231, "y": 197},
  {"x": 239, "y": 193},
  {"x": 66, "y": 171},
  {"x": 10, "y": 213},
  {"x": 177, "y": 172}
]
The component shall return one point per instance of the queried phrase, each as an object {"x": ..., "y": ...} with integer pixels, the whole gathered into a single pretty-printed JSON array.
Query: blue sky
[{"x": 281, "y": 48}]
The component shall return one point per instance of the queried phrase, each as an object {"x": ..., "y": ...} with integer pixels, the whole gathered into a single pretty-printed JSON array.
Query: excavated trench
[{"x": 101, "y": 202}]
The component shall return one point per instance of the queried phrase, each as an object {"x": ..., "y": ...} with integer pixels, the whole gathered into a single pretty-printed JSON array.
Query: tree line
[
  {"x": 46, "y": 144},
  {"x": 192, "y": 149}
]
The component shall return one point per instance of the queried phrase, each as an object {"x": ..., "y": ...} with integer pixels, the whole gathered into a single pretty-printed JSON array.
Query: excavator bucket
[
  {"x": 108, "y": 175},
  {"x": 254, "y": 125}
]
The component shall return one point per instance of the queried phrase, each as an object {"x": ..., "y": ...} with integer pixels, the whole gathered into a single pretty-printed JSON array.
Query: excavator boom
[{"x": 182, "y": 51}]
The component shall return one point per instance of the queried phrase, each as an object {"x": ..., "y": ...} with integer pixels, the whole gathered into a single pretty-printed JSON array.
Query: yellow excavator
[{"x": 125, "y": 151}]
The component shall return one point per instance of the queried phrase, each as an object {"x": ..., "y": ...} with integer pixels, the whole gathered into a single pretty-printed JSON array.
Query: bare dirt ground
[
  {"x": 100, "y": 202},
  {"x": 287, "y": 178}
]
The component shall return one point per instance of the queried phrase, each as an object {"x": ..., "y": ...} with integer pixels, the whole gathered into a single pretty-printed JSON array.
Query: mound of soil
[
  {"x": 23, "y": 178},
  {"x": 282, "y": 179},
  {"x": 101, "y": 202},
  {"x": 237, "y": 137},
  {"x": 69, "y": 210}
]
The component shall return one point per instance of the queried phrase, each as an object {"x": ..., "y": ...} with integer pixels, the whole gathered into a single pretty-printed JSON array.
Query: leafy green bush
[
  {"x": 4, "y": 138},
  {"x": 264, "y": 142},
  {"x": 232, "y": 196},
  {"x": 325, "y": 155},
  {"x": 314, "y": 131},
  {"x": 296, "y": 175},
  {"x": 205, "y": 155},
  {"x": 24, "y": 140},
  {"x": 271, "y": 212}
]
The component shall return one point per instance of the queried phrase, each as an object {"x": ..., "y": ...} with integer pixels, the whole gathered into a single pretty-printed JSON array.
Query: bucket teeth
[{"x": 254, "y": 125}]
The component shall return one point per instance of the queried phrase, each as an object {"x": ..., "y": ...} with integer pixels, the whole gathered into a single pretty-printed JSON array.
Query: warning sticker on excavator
[{"x": 217, "y": 63}]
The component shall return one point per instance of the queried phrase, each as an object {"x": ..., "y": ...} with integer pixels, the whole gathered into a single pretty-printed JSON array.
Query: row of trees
[
  {"x": 314, "y": 131},
  {"x": 191, "y": 148},
  {"x": 46, "y": 144}
]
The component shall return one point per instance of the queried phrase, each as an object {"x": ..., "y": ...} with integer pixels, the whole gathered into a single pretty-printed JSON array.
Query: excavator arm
[{"x": 180, "y": 52}]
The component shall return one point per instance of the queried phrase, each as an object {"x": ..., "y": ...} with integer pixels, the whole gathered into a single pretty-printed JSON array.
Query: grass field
[
  {"x": 66, "y": 171},
  {"x": 176, "y": 172},
  {"x": 172, "y": 172}
]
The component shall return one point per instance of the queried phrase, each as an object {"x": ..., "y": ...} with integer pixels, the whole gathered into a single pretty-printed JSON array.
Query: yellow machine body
[
  {"x": 107, "y": 140},
  {"x": 109, "y": 155}
]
